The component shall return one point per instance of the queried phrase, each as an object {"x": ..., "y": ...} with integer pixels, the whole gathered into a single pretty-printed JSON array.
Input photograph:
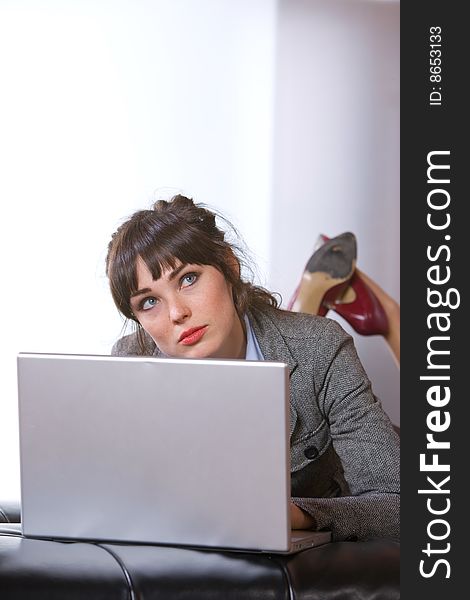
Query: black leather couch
[{"x": 43, "y": 569}]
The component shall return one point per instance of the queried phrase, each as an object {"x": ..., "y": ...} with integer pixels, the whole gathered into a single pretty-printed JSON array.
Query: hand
[{"x": 299, "y": 518}]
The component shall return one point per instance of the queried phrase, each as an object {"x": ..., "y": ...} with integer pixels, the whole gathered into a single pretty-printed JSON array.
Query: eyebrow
[{"x": 171, "y": 276}]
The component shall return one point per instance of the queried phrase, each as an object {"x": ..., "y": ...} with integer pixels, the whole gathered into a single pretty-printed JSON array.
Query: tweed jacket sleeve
[{"x": 344, "y": 450}]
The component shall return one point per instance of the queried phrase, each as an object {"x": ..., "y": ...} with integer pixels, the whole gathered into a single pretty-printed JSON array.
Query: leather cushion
[
  {"x": 344, "y": 570},
  {"x": 42, "y": 569},
  {"x": 180, "y": 573}
]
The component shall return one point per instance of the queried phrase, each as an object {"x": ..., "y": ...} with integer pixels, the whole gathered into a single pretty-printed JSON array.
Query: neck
[{"x": 238, "y": 337}]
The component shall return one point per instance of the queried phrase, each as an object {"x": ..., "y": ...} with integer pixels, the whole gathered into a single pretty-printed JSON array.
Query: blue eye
[
  {"x": 188, "y": 279},
  {"x": 149, "y": 303}
]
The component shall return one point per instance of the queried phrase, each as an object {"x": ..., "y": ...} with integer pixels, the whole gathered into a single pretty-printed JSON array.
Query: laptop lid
[{"x": 133, "y": 449}]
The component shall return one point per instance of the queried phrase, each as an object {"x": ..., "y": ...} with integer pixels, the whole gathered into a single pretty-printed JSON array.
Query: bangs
[
  {"x": 161, "y": 247},
  {"x": 161, "y": 257},
  {"x": 179, "y": 246}
]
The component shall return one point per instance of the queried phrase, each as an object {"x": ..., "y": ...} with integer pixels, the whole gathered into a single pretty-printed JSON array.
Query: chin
[{"x": 199, "y": 353}]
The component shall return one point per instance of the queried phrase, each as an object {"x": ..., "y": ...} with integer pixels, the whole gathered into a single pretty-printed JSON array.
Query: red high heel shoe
[
  {"x": 363, "y": 312},
  {"x": 326, "y": 275}
]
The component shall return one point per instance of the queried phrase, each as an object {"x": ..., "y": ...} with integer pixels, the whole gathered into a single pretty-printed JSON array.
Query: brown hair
[{"x": 172, "y": 231}]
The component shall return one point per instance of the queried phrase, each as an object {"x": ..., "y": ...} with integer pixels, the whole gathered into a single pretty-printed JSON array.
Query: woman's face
[{"x": 189, "y": 312}]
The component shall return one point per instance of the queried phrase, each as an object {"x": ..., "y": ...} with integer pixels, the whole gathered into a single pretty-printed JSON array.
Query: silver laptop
[{"x": 160, "y": 451}]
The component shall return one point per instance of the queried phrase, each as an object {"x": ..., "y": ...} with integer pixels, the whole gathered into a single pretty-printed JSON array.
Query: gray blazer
[{"x": 345, "y": 453}]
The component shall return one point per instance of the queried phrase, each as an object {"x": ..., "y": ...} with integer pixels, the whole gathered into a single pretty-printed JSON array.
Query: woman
[{"x": 173, "y": 273}]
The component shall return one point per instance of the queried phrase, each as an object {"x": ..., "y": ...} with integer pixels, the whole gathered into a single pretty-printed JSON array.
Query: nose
[{"x": 178, "y": 310}]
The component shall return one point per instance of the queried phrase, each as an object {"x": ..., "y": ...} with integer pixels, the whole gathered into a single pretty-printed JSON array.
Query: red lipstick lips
[{"x": 193, "y": 335}]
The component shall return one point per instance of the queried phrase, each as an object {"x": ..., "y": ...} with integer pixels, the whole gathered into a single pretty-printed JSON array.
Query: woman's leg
[
  {"x": 392, "y": 310},
  {"x": 347, "y": 291}
]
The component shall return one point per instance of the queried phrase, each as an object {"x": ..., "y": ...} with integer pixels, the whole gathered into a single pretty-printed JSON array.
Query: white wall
[{"x": 105, "y": 105}]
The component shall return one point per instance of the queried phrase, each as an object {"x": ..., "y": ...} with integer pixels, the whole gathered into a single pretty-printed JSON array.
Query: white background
[{"x": 282, "y": 115}]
